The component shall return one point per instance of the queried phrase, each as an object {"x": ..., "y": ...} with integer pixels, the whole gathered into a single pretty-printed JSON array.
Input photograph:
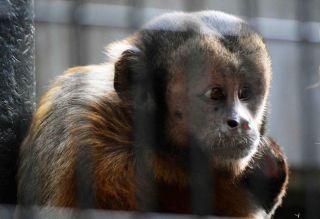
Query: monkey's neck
[
  {"x": 175, "y": 163},
  {"x": 176, "y": 185}
]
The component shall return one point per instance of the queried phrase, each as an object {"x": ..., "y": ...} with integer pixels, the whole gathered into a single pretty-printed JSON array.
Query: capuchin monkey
[{"x": 176, "y": 115}]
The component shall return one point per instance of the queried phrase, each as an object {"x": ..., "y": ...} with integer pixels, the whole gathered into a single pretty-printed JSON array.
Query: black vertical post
[
  {"x": 144, "y": 128},
  {"x": 78, "y": 39},
  {"x": 134, "y": 16},
  {"x": 250, "y": 9},
  {"x": 191, "y": 5},
  {"x": 309, "y": 128},
  {"x": 85, "y": 191},
  {"x": 17, "y": 87},
  {"x": 201, "y": 175}
]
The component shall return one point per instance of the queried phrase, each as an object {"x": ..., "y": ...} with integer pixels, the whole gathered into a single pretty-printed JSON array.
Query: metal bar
[
  {"x": 201, "y": 180},
  {"x": 77, "y": 39},
  {"x": 84, "y": 176},
  {"x": 308, "y": 126},
  {"x": 201, "y": 173},
  {"x": 191, "y": 5},
  {"x": 143, "y": 127},
  {"x": 249, "y": 8},
  {"x": 67, "y": 213},
  {"x": 94, "y": 14},
  {"x": 134, "y": 17}
]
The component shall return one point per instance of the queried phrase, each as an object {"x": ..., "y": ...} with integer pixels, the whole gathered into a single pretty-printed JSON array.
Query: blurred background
[{"x": 75, "y": 32}]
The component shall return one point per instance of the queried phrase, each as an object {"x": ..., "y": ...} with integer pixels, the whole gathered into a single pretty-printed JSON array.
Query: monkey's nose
[
  {"x": 232, "y": 123},
  {"x": 245, "y": 125}
]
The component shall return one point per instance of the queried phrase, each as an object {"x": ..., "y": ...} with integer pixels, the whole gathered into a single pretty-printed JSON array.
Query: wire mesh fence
[{"x": 70, "y": 33}]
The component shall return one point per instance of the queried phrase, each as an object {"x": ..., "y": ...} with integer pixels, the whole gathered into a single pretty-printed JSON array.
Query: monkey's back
[{"x": 80, "y": 134}]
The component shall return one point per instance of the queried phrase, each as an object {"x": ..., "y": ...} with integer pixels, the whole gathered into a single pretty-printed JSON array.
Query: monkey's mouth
[
  {"x": 232, "y": 152},
  {"x": 231, "y": 146}
]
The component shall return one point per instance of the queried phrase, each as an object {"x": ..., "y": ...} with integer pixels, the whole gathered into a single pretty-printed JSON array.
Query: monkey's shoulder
[
  {"x": 80, "y": 113},
  {"x": 71, "y": 97}
]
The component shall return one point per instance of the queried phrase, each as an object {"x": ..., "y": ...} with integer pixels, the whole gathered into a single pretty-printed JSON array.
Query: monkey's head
[{"x": 205, "y": 77}]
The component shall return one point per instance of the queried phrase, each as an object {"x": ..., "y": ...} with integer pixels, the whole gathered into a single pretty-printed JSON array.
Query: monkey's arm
[{"x": 268, "y": 178}]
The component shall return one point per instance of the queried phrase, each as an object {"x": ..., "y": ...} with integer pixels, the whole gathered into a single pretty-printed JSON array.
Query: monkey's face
[{"x": 217, "y": 97}]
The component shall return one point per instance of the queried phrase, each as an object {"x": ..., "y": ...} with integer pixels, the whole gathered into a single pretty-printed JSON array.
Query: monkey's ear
[{"x": 126, "y": 67}]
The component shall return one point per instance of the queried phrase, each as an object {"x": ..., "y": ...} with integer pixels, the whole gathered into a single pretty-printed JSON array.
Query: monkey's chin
[{"x": 236, "y": 158}]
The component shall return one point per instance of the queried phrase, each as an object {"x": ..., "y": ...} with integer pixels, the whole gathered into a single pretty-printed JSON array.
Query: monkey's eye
[
  {"x": 215, "y": 94},
  {"x": 244, "y": 93}
]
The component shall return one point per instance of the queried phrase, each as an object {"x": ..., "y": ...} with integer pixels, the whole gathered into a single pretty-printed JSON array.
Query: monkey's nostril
[{"x": 232, "y": 123}]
